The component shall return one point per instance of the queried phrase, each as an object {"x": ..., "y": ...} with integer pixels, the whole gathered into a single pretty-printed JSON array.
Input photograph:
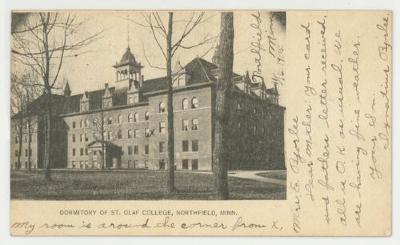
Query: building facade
[{"x": 125, "y": 126}]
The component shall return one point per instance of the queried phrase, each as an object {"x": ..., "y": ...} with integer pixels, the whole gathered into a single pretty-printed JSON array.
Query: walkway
[{"x": 253, "y": 176}]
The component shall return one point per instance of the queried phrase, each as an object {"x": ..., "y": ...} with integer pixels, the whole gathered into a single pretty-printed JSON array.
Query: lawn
[{"x": 133, "y": 185}]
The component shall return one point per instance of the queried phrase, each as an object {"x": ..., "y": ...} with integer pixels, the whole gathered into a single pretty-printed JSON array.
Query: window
[
  {"x": 130, "y": 117},
  {"x": 109, "y": 121},
  {"x": 195, "y": 145},
  {"x": 195, "y": 164},
  {"x": 73, "y": 152},
  {"x": 87, "y": 123},
  {"x": 81, "y": 124},
  {"x": 161, "y": 164},
  {"x": 16, "y": 139},
  {"x": 195, "y": 102},
  {"x": 136, "y": 117},
  {"x": 109, "y": 135},
  {"x": 30, "y": 152},
  {"x": 26, "y": 152},
  {"x": 73, "y": 125},
  {"x": 162, "y": 127},
  {"x": 73, "y": 138},
  {"x": 25, "y": 139},
  {"x": 254, "y": 130},
  {"x": 16, "y": 153},
  {"x": 135, "y": 133},
  {"x": 239, "y": 106},
  {"x": 147, "y": 132},
  {"x": 185, "y": 164},
  {"x": 185, "y": 104},
  {"x": 81, "y": 151},
  {"x": 130, "y": 99},
  {"x": 135, "y": 149},
  {"x": 161, "y": 146},
  {"x": 146, "y": 115},
  {"x": 129, "y": 133},
  {"x": 86, "y": 138},
  {"x": 119, "y": 134},
  {"x": 120, "y": 119},
  {"x": 185, "y": 146},
  {"x": 146, "y": 149},
  {"x": 195, "y": 124},
  {"x": 81, "y": 137},
  {"x": 86, "y": 151},
  {"x": 135, "y": 99},
  {"x": 129, "y": 150},
  {"x": 161, "y": 107},
  {"x": 185, "y": 125}
]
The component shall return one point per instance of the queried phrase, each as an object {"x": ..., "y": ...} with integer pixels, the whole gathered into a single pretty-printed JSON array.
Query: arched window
[
  {"x": 195, "y": 102},
  {"x": 130, "y": 117},
  {"x": 73, "y": 124},
  {"x": 120, "y": 119},
  {"x": 185, "y": 104},
  {"x": 81, "y": 124},
  {"x": 146, "y": 115},
  {"x": 136, "y": 117},
  {"x": 87, "y": 123},
  {"x": 161, "y": 107}
]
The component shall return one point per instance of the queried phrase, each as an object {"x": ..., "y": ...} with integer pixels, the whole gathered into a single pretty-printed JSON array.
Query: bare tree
[
  {"x": 222, "y": 106},
  {"x": 21, "y": 97},
  {"x": 160, "y": 32},
  {"x": 42, "y": 41}
]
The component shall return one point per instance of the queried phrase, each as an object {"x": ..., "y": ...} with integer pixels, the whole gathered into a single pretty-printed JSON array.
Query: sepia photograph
[{"x": 148, "y": 105}]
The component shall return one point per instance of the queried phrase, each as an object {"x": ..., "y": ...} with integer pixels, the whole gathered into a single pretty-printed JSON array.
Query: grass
[
  {"x": 275, "y": 175},
  {"x": 133, "y": 185}
]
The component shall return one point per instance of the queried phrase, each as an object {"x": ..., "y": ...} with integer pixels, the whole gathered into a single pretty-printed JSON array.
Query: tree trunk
[
  {"x": 103, "y": 146},
  {"x": 222, "y": 105},
  {"x": 29, "y": 144},
  {"x": 48, "y": 137},
  {"x": 170, "y": 109},
  {"x": 20, "y": 137}
]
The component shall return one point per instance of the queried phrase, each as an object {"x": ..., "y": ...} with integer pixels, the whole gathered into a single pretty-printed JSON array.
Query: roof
[
  {"x": 39, "y": 105},
  {"x": 127, "y": 58},
  {"x": 198, "y": 71}
]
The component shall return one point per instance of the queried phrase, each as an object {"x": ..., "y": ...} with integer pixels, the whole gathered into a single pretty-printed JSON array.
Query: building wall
[
  {"x": 14, "y": 147},
  {"x": 139, "y": 159},
  {"x": 256, "y": 140}
]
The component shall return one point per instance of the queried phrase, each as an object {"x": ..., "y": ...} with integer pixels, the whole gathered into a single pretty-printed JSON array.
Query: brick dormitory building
[{"x": 125, "y": 126}]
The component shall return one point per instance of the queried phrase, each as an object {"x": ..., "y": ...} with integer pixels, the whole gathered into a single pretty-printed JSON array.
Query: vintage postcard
[{"x": 217, "y": 123}]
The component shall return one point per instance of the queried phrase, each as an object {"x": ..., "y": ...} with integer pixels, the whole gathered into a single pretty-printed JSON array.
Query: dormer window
[
  {"x": 195, "y": 103},
  {"x": 161, "y": 107}
]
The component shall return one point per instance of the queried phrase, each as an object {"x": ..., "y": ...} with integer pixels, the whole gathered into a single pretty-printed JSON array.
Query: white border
[{"x": 5, "y": 11}]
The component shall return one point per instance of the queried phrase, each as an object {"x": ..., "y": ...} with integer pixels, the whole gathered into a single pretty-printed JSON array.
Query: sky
[{"x": 92, "y": 67}]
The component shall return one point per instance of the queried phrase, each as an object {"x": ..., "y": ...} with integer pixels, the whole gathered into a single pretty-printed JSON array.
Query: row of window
[
  {"x": 135, "y": 148},
  {"x": 133, "y": 133},
  {"x": 26, "y": 152},
  {"x": 134, "y": 117},
  {"x": 194, "y": 164},
  {"x": 25, "y": 139}
]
